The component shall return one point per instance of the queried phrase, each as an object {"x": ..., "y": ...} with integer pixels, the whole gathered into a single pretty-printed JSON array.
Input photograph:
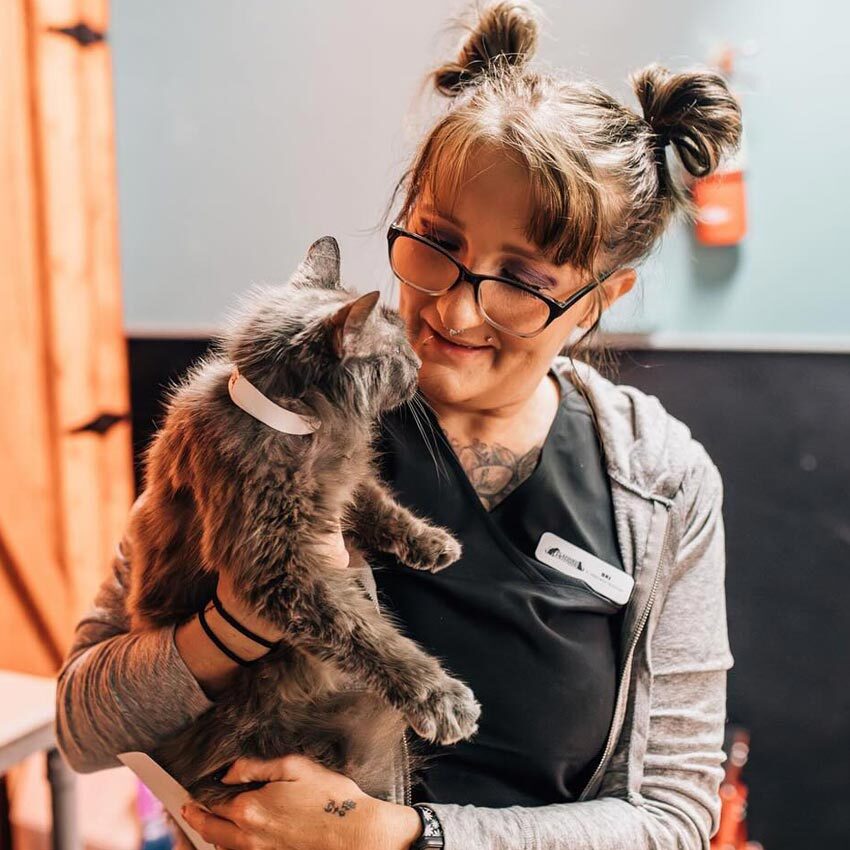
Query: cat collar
[{"x": 245, "y": 395}]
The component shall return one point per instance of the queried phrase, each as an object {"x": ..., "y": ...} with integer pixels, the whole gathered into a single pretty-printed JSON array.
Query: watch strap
[{"x": 432, "y": 829}]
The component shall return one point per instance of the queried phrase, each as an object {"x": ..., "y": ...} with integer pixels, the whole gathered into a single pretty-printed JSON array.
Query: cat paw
[
  {"x": 447, "y": 715},
  {"x": 432, "y": 550}
]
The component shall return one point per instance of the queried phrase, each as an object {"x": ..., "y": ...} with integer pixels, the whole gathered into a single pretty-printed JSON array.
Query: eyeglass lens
[{"x": 424, "y": 268}]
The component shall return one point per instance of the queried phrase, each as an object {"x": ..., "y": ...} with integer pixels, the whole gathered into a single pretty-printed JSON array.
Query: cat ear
[
  {"x": 320, "y": 266},
  {"x": 348, "y": 322}
]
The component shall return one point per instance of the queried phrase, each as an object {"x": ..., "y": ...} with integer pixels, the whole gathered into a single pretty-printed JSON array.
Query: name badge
[{"x": 610, "y": 582}]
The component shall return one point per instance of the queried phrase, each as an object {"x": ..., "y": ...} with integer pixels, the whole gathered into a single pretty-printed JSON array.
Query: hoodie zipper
[
  {"x": 407, "y": 793},
  {"x": 407, "y": 790},
  {"x": 627, "y": 667}
]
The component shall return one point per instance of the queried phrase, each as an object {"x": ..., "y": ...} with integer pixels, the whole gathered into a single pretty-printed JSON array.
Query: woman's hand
[{"x": 304, "y": 806}]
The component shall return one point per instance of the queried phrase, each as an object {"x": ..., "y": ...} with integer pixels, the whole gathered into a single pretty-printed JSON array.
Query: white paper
[{"x": 167, "y": 789}]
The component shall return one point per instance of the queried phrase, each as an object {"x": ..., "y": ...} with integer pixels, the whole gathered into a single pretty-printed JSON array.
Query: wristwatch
[{"x": 432, "y": 831}]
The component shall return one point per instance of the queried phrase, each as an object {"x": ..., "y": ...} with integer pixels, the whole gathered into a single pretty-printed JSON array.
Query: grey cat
[{"x": 225, "y": 493}]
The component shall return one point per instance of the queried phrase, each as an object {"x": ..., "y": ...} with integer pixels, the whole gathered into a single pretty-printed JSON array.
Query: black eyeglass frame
[{"x": 556, "y": 308}]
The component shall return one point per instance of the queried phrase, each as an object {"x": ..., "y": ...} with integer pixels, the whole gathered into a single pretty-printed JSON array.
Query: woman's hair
[{"x": 602, "y": 188}]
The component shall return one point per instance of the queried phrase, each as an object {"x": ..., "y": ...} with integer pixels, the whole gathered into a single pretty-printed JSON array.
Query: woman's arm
[
  {"x": 678, "y": 805},
  {"x": 120, "y": 691}
]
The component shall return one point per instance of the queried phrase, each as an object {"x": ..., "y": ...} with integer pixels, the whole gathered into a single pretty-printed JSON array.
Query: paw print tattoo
[{"x": 333, "y": 809}]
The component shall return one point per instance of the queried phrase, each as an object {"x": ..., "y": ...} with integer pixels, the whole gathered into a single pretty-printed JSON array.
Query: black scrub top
[{"x": 538, "y": 647}]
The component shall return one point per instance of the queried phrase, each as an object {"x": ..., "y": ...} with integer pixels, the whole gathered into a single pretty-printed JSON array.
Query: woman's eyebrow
[
  {"x": 447, "y": 216},
  {"x": 507, "y": 248}
]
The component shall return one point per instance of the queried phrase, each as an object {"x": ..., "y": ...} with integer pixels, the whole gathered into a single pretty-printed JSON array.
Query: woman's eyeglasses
[{"x": 506, "y": 304}]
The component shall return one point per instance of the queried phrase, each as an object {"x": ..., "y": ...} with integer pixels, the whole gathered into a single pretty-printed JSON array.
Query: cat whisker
[{"x": 423, "y": 424}]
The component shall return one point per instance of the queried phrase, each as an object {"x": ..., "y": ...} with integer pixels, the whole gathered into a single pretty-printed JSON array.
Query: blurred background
[{"x": 156, "y": 158}]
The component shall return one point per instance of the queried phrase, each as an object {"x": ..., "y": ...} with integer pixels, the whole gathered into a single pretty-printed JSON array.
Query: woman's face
[{"x": 484, "y": 230}]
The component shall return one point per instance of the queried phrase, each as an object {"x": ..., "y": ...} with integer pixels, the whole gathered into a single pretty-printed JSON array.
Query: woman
[{"x": 587, "y": 612}]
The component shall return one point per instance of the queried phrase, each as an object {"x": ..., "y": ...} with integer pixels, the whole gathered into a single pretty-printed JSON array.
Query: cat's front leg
[
  {"x": 378, "y": 522},
  {"x": 340, "y": 625}
]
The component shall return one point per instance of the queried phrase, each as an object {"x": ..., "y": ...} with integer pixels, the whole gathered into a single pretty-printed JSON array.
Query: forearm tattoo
[
  {"x": 332, "y": 808},
  {"x": 495, "y": 471}
]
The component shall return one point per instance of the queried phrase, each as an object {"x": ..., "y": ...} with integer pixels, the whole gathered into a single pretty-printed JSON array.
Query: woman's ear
[{"x": 615, "y": 286}]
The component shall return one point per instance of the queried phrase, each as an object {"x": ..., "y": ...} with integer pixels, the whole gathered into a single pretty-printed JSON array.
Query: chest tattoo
[{"x": 493, "y": 470}]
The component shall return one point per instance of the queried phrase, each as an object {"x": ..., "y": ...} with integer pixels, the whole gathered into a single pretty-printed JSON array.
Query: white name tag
[{"x": 608, "y": 581}]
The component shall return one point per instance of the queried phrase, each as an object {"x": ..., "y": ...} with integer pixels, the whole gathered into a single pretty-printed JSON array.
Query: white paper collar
[{"x": 245, "y": 395}]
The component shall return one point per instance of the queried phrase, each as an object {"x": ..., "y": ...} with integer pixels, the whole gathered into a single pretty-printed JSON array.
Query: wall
[{"x": 246, "y": 130}]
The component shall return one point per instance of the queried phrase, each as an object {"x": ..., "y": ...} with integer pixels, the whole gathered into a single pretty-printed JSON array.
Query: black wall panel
[{"x": 778, "y": 427}]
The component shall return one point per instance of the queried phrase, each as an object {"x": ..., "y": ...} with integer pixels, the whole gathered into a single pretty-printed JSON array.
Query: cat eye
[{"x": 506, "y": 302}]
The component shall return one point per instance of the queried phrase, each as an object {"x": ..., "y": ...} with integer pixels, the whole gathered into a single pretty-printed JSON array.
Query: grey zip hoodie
[{"x": 656, "y": 785}]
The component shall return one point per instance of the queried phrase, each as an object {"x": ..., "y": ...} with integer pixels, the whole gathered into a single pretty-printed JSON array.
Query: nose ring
[{"x": 452, "y": 332}]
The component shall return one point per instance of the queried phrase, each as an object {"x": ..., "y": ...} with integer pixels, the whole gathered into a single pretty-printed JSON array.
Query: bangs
[{"x": 565, "y": 223}]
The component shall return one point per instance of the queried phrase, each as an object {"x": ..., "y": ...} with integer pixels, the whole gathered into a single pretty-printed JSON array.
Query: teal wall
[
  {"x": 787, "y": 276},
  {"x": 248, "y": 129}
]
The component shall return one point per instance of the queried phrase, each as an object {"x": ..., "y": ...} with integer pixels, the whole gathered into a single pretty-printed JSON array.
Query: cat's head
[{"x": 312, "y": 335}]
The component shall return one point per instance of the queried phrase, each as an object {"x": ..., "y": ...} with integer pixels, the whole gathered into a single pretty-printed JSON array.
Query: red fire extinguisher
[{"x": 720, "y": 198}]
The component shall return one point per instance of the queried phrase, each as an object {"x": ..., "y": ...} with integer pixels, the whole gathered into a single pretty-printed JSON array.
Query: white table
[{"x": 27, "y": 713}]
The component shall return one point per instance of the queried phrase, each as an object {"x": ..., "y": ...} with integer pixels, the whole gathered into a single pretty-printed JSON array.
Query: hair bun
[
  {"x": 502, "y": 33},
  {"x": 694, "y": 111}
]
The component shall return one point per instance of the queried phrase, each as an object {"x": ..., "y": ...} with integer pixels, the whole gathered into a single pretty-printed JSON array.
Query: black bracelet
[
  {"x": 229, "y": 618},
  {"x": 242, "y": 662}
]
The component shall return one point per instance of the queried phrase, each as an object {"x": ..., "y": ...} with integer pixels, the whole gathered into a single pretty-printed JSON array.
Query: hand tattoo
[
  {"x": 332, "y": 808},
  {"x": 495, "y": 471}
]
